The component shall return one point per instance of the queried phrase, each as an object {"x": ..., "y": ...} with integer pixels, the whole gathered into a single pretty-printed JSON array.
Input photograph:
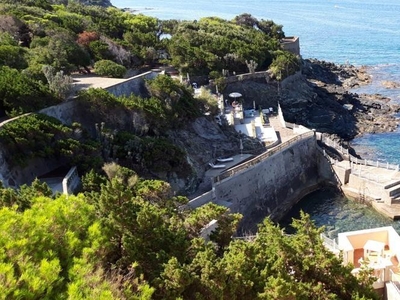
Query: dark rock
[{"x": 319, "y": 97}]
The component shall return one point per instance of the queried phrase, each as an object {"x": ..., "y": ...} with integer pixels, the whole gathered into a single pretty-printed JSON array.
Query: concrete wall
[
  {"x": 391, "y": 292},
  {"x": 273, "y": 186},
  {"x": 132, "y": 85},
  {"x": 201, "y": 200},
  {"x": 358, "y": 239},
  {"x": 291, "y": 44},
  {"x": 15, "y": 176},
  {"x": 325, "y": 170},
  {"x": 248, "y": 76},
  {"x": 342, "y": 173},
  {"x": 68, "y": 112},
  {"x": 394, "y": 242},
  {"x": 368, "y": 188},
  {"x": 64, "y": 112}
]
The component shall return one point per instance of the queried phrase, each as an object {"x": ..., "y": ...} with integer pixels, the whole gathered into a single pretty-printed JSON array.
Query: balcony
[{"x": 377, "y": 249}]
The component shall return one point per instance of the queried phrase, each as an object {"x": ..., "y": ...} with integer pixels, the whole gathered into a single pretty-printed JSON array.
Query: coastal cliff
[{"x": 320, "y": 97}]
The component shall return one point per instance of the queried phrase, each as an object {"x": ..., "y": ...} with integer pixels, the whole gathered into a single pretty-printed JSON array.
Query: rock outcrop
[{"x": 320, "y": 97}]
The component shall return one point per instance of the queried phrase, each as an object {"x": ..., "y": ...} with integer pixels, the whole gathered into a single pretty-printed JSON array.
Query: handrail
[
  {"x": 331, "y": 243},
  {"x": 261, "y": 157},
  {"x": 331, "y": 161},
  {"x": 345, "y": 151}
]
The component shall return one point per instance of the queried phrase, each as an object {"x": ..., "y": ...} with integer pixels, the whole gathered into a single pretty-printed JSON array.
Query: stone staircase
[{"x": 392, "y": 191}]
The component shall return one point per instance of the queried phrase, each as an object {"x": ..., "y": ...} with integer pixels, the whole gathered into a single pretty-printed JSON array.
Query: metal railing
[
  {"x": 373, "y": 163},
  {"x": 262, "y": 157},
  {"x": 329, "y": 243},
  {"x": 345, "y": 152}
]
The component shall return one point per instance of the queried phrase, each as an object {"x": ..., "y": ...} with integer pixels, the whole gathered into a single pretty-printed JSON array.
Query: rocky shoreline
[
  {"x": 320, "y": 97},
  {"x": 374, "y": 113}
]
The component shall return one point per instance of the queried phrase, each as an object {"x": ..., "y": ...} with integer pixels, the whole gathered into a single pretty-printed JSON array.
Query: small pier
[{"x": 373, "y": 182}]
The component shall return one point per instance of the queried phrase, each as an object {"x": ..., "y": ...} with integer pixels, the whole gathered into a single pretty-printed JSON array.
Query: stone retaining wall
[
  {"x": 274, "y": 185},
  {"x": 131, "y": 86}
]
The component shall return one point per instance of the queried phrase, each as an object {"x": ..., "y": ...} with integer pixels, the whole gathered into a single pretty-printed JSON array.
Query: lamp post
[{"x": 241, "y": 147}]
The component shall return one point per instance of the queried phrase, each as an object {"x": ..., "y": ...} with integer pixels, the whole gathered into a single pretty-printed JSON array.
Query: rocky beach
[{"x": 321, "y": 97}]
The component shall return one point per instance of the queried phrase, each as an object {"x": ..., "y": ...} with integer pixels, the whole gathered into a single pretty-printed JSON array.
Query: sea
[{"x": 356, "y": 32}]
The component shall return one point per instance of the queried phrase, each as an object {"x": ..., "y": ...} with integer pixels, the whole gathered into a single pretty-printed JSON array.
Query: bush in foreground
[{"x": 109, "y": 68}]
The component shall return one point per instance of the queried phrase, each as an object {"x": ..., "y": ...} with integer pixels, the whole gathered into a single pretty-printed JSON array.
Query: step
[
  {"x": 356, "y": 193},
  {"x": 395, "y": 200},
  {"x": 391, "y": 211},
  {"x": 394, "y": 190},
  {"x": 392, "y": 184},
  {"x": 395, "y": 196}
]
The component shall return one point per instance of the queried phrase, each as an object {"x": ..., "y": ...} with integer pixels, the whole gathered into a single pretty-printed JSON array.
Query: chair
[
  {"x": 388, "y": 254},
  {"x": 216, "y": 166}
]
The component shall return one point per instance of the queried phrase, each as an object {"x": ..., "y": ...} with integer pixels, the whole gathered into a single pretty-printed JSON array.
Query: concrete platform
[
  {"x": 55, "y": 184},
  {"x": 392, "y": 211},
  {"x": 237, "y": 159},
  {"x": 375, "y": 184},
  {"x": 252, "y": 126},
  {"x": 85, "y": 81}
]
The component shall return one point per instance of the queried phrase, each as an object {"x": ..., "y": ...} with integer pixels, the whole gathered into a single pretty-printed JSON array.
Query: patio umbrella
[{"x": 235, "y": 95}]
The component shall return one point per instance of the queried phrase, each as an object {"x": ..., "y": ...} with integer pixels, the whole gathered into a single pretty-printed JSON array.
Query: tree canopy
[
  {"x": 127, "y": 236},
  {"x": 214, "y": 44},
  {"x": 131, "y": 238}
]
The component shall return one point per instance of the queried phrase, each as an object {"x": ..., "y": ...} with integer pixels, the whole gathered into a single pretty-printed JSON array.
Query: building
[
  {"x": 291, "y": 44},
  {"x": 377, "y": 249}
]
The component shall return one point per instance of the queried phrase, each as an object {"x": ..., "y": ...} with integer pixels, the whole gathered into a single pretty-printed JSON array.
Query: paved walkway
[
  {"x": 85, "y": 81},
  {"x": 283, "y": 133},
  {"x": 237, "y": 159}
]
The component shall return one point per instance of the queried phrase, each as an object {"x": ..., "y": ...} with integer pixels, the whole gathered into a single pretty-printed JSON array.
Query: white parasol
[{"x": 235, "y": 95}]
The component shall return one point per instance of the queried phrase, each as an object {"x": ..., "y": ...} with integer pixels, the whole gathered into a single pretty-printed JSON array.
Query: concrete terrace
[
  {"x": 85, "y": 81},
  {"x": 268, "y": 129},
  {"x": 381, "y": 186},
  {"x": 272, "y": 135}
]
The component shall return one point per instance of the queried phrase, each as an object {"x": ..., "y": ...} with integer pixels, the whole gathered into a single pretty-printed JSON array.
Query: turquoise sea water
[
  {"x": 359, "y": 32},
  {"x": 337, "y": 214}
]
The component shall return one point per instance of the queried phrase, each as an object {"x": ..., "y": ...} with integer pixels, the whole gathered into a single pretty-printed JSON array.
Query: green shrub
[
  {"x": 41, "y": 136},
  {"x": 109, "y": 68},
  {"x": 13, "y": 56},
  {"x": 19, "y": 93}
]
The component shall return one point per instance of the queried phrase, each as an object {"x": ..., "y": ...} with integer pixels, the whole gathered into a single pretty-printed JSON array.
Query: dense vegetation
[
  {"x": 39, "y": 136},
  {"x": 129, "y": 238},
  {"x": 142, "y": 144},
  {"x": 71, "y": 37}
]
